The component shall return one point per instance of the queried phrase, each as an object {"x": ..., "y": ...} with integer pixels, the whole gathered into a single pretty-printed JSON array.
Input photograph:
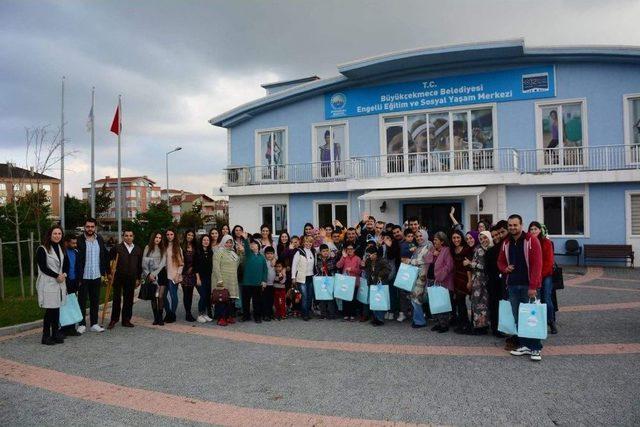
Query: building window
[
  {"x": 3, "y": 186},
  {"x": 3, "y": 200},
  {"x": 561, "y": 133},
  {"x": 632, "y": 128},
  {"x": 328, "y": 212},
  {"x": 271, "y": 149},
  {"x": 16, "y": 187},
  {"x": 28, "y": 187},
  {"x": 46, "y": 187},
  {"x": 330, "y": 149},
  {"x": 439, "y": 141},
  {"x": 275, "y": 216},
  {"x": 564, "y": 215}
]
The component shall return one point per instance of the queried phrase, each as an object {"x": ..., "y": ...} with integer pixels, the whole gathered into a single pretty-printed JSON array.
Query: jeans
[
  {"x": 547, "y": 298},
  {"x": 91, "y": 288},
  {"x": 171, "y": 305},
  {"x": 204, "y": 290},
  {"x": 306, "y": 289},
  {"x": 518, "y": 295},
  {"x": 418, "y": 314}
]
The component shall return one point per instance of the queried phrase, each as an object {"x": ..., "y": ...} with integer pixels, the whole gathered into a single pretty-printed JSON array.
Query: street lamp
[{"x": 167, "y": 163}]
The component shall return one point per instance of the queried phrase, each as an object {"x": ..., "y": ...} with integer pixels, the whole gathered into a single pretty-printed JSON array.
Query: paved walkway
[{"x": 335, "y": 373}]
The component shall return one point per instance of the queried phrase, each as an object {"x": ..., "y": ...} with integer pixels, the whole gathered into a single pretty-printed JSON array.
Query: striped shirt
[{"x": 92, "y": 264}]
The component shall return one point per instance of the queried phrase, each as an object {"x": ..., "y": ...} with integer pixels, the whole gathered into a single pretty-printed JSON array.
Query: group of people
[{"x": 253, "y": 275}]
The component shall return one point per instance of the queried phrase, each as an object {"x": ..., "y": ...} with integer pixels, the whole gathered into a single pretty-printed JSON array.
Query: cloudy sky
[{"x": 179, "y": 63}]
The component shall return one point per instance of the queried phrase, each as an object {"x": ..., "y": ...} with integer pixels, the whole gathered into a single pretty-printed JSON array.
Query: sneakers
[
  {"x": 202, "y": 319},
  {"x": 401, "y": 317},
  {"x": 536, "y": 356},
  {"x": 81, "y": 329},
  {"x": 207, "y": 318},
  {"x": 222, "y": 322},
  {"x": 521, "y": 351},
  {"x": 97, "y": 328}
]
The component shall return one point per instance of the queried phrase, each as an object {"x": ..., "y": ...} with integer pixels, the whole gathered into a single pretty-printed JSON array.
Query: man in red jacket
[{"x": 520, "y": 260}]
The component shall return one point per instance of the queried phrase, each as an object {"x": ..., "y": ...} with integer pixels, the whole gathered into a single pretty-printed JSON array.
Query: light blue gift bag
[
  {"x": 70, "y": 312},
  {"x": 439, "y": 300},
  {"x": 323, "y": 287},
  {"x": 406, "y": 277},
  {"x": 532, "y": 320},
  {"x": 344, "y": 286},
  {"x": 379, "y": 297},
  {"x": 506, "y": 321},
  {"x": 362, "y": 294}
]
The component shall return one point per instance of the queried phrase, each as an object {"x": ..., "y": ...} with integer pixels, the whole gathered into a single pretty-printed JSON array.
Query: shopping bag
[
  {"x": 343, "y": 287},
  {"x": 506, "y": 321},
  {"x": 323, "y": 287},
  {"x": 70, "y": 312},
  {"x": 406, "y": 277},
  {"x": 439, "y": 300},
  {"x": 379, "y": 297},
  {"x": 362, "y": 293},
  {"x": 532, "y": 320}
]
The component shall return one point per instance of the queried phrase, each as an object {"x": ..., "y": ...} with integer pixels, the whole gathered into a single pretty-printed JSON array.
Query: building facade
[
  {"x": 138, "y": 193},
  {"x": 491, "y": 129},
  {"x": 16, "y": 182}
]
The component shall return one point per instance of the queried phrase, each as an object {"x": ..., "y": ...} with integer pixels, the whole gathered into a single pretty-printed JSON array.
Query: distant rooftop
[{"x": 20, "y": 173}]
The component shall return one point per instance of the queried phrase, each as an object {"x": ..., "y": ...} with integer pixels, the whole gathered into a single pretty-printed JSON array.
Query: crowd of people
[{"x": 243, "y": 276}]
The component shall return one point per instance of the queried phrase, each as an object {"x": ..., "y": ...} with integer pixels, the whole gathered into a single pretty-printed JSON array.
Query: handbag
[
  {"x": 557, "y": 278},
  {"x": 532, "y": 320},
  {"x": 506, "y": 321},
  {"x": 323, "y": 288},
  {"x": 344, "y": 286},
  {"x": 70, "y": 312},
  {"x": 362, "y": 294},
  {"x": 220, "y": 296},
  {"x": 439, "y": 299},
  {"x": 406, "y": 277},
  {"x": 379, "y": 297},
  {"x": 147, "y": 290}
]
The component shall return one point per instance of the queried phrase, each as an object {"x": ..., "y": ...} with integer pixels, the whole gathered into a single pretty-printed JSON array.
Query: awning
[{"x": 423, "y": 193}]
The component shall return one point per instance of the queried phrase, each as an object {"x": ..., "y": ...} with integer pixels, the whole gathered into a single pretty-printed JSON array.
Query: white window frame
[
  {"x": 273, "y": 216},
  {"x": 585, "y": 210},
  {"x": 258, "y": 155},
  {"x": 344, "y": 150},
  {"x": 627, "y": 214},
  {"x": 451, "y": 110},
  {"x": 539, "y": 105},
  {"x": 3, "y": 186},
  {"x": 46, "y": 187},
  {"x": 3, "y": 200},
  {"x": 333, "y": 204},
  {"x": 626, "y": 109}
]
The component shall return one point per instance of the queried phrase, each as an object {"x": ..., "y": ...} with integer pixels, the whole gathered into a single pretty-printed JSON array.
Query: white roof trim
[{"x": 422, "y": 193}]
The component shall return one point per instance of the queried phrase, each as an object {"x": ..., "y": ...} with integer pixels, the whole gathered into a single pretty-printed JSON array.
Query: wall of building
[{"x": 245, "y": 210}]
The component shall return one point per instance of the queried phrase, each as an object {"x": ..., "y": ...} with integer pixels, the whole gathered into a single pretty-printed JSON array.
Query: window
[
  {"x": 46, "y": 187},
  {"x": 632, "y": 127},
  {"x": 439, "y": 141},
  {"x": 275, "y": 216},
  {"x": 28, "y": 187},
  {"x": 271, "y": 154},
  {"x": 328, "y": 212},
  {"x": 564, "y": 215},
  {"x": 561, "y": 133},
  {"x": 16, "y": 187},
  {"x": 3, "y": 200},
  {"x": 330, "y": 149},
  {"x": 3, "y": 186}
]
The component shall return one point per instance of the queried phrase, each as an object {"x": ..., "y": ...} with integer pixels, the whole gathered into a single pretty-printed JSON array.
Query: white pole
[
  {"x": 167, "y": 170},
  {"x": 93, "y": 161},
  {"x": 119, "y": 191},
  {"x": 62, "y": 159}
]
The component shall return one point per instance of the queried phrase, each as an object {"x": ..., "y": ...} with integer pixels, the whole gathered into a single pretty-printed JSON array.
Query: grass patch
[{"x": 15, "y": 309}]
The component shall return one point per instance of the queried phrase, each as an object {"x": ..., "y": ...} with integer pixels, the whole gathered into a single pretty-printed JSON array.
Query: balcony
[{"x": 485, "y": 161}]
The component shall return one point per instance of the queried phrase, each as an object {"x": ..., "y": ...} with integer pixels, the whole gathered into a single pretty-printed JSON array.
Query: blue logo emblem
[{"x": 338, "y": 101}]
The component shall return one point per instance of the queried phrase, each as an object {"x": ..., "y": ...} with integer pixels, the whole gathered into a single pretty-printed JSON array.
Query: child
[
  {"x": 268, "y": 291},
  {"x": 280, "y": 291},
  {"x": 254, "y": 281},
  {"x": 376, "y": 270},
  {"x": 350, "y": 265},
  {"x": 326, "y": 266}
]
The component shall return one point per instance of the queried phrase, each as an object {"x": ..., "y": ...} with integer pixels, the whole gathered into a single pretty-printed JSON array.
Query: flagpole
[
  {"x": 62, "y": 159},
  {"x": 93, "y": 161},
  {"x": 119, "y": 192}
]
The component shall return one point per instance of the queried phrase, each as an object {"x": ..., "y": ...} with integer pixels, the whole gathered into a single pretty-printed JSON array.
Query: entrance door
[
  {"x": 435, "y": 216},
  {"x": 633, "y": 220}
]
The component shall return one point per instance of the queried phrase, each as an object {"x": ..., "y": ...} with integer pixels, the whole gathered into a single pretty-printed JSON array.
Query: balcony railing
[{"x": 573, "y": 159}]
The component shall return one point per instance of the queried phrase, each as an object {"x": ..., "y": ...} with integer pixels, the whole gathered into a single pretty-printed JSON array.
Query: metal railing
[{"x": 548, "y": 160}]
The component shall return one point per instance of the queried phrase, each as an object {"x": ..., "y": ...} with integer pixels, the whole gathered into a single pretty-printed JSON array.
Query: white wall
[{"x": 245, "y": 210}]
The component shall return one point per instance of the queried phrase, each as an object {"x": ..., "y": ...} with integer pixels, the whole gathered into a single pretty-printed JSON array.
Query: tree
[
  {"x": 157, "y": 218},
  {"x": 190, "y": 220},
  {"x": 75, "y": 211},
  {"x": 104, "y": 199}
]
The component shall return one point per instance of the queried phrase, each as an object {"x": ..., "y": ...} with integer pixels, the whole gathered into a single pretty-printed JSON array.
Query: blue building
[{"x": 491, "y": 129}]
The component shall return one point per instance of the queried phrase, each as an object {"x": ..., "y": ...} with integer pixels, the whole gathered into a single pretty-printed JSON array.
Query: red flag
[{"x": 115, "y": 126}]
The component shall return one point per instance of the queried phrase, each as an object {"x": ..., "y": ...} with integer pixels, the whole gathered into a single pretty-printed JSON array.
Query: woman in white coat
[{"x": 52, "y": 290}]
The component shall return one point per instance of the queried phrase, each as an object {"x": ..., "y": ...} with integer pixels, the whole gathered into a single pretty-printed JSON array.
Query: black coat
[{"x": 82, "y": 256}]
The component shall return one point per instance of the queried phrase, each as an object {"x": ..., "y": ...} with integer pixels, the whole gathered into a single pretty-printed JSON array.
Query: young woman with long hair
[
  {"x": 265, "y": 237},
  {"x": 540, "y": 231},
  {"x": 175, "y": 263},
  {"x": 214, "y": 237},
  {"x": 284, "y": 239},
  {"x": 189, "y": 271},
  {"x": 51, "y": 284},
  {"x": 154, "y": 270},
  {"x": 203, "y": 272},
  {"x": 224, "y": 230}
]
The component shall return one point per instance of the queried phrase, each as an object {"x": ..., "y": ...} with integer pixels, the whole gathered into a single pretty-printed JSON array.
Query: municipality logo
[
  {"x": 338, "y": 101},
  {"x": 533, "y": 83}
]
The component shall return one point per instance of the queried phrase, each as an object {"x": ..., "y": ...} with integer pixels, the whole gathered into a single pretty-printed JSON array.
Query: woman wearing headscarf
[
  {"x": 461, "y": 278},
  {"x": 225, "y": 273},
  {"x": 438, "y": 269},
  {"x": 540, "y": 231},
  {"x": 417, "y": 295},
  {"x": 478, "y": 287}
]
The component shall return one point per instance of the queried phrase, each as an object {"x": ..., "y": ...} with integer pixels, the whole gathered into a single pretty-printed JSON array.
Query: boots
[
  {"x": 47, "y": 340},
  {"x": 553, "y": 328}
]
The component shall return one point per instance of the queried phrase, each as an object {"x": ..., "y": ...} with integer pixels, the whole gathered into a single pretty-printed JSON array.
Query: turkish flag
[{"x": 115, "y": 126}]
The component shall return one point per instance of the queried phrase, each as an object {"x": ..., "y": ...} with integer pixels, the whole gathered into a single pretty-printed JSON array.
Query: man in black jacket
[
  {"x": 91, "y": 266},
  {"x": 126, "y": 278}
]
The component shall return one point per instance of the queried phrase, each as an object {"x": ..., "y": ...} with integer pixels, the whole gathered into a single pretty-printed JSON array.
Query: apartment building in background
[
  {"x": 138, "y": 193},
  {"x": 18, "y": 181}
]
